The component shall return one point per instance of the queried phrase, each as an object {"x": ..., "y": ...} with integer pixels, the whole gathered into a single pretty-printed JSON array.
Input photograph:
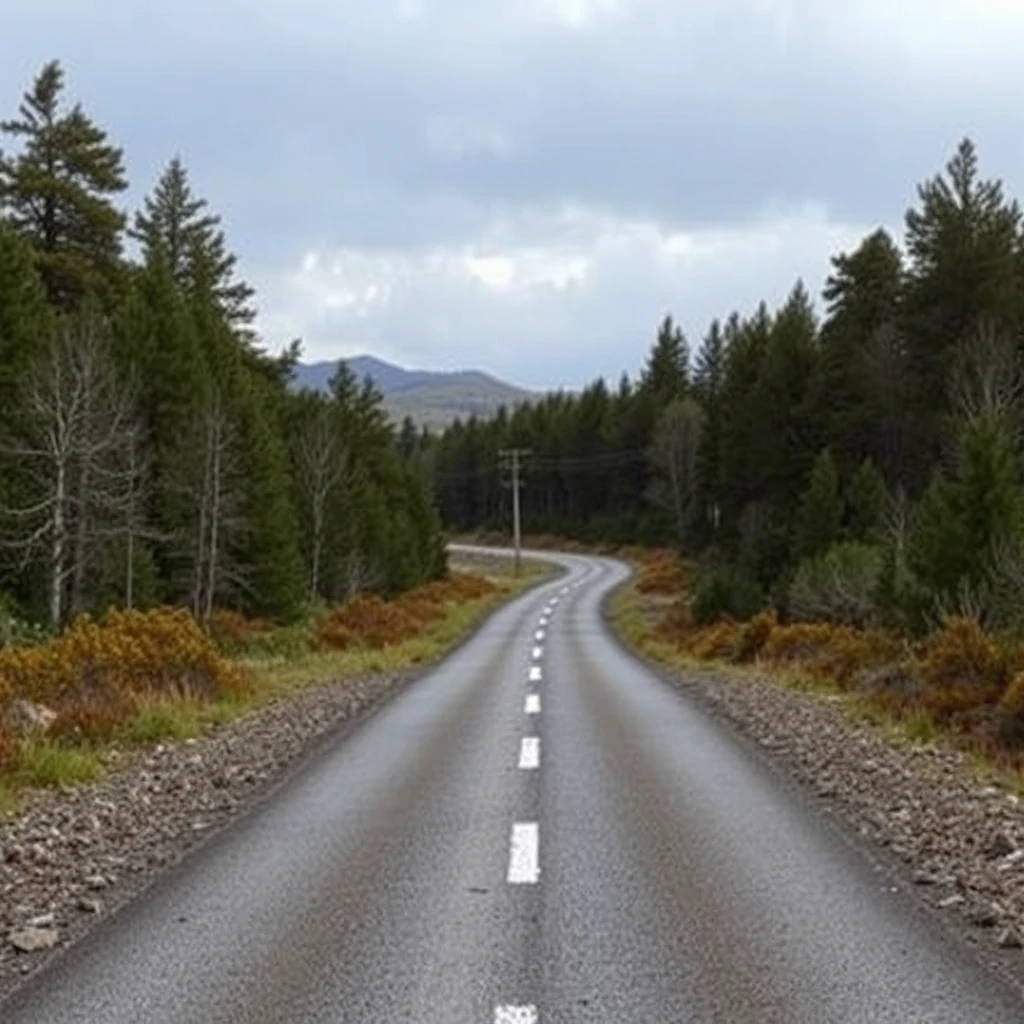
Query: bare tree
[
  {"x": 215, "y": 490},
  {"x": 673, "y": 454},
  {"x": 75, "y": 413},
  {"x": 987, "y": 380},
  {"x": 359, "y": 573},
  {"x": 322, "y": 462}
]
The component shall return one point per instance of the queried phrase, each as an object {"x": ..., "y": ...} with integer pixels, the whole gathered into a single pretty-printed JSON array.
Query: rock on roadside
[{"x": 111, "y": 837}]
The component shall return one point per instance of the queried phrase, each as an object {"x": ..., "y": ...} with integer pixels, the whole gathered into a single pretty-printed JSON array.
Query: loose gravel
[
  {"x": 70, "y": 857},
  {"x": 961, "y": 841}
]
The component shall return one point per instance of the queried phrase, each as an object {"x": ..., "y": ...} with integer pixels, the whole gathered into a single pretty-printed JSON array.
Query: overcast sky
[{"x": 527, "y": 186}]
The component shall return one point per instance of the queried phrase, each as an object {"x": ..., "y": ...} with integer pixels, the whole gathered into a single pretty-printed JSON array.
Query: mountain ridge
[{"x": 431, "y": 398}]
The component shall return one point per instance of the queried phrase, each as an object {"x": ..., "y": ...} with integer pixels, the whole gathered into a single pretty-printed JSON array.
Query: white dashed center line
[
  {"x": 538, "y": 653},
  {"x": 523, "y": 860},
  {"x": 515, "y": 1015},
  {"x": 533, "y": 704},
  {"x": 535, "y": 674},
  {"x": 529, "y": 753},
  {"x": 539, "y": 635}
]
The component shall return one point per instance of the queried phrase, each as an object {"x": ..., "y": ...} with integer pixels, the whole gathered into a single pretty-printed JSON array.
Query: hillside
[{"x": 432, "y": 398}]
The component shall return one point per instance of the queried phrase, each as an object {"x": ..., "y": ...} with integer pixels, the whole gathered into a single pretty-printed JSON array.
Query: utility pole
[{"x": 513, "y": 458}]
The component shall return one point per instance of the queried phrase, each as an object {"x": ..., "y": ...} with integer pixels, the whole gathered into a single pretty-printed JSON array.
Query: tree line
[
  {"x": 151, "y": 450},
  {"x": 864, "y": 466}
]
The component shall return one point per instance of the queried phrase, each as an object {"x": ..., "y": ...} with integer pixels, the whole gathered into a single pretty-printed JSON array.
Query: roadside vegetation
[
  {"x": 957, "y": 683},
  {"x": 134, "y": 678}
]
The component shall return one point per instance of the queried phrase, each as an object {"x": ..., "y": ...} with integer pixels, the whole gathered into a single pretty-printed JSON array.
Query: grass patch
[
  {"x": 46, "y": 762},
  {"x": 162, "y": 719}
]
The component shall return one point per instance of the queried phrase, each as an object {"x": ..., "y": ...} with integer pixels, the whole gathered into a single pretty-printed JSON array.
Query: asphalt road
[{"x": 630, "y": 862}]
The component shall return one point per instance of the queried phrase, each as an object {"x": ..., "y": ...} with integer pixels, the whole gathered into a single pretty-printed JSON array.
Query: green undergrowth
[{"x": 45, "y": 762}]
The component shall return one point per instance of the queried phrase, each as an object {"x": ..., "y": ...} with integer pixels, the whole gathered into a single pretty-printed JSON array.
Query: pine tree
[
  {"x": 820, "y": 514},
  {"x": 709, "y": 379},
  {"x": 741, "y": 472},
  {"x": 178, "y": 225},
  {"x": 788, "y": 431},
  {"x": 865, "y": 503},
  {"x": 863, "y": 397},
  {"x": 58, "y": 193},
  {"x": 24, "y": 319},
  {"x": 964, "y": 243},
  {"x": 667, "y": 373},
  {"x": 966, "y": 516}
]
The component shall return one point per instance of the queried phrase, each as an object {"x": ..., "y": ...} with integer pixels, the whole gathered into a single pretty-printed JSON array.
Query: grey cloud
[{"x": 405, "y": 126}]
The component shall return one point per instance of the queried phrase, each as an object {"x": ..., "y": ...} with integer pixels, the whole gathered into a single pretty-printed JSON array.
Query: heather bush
[
  {"x": 93, "y": 672},
  {"x": 754, "y": 635},
  {"x": 370, "y": 621},
  {"x": 665, "y": 574}
]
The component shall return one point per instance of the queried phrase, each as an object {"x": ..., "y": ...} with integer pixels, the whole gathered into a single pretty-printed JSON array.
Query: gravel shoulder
[
  {"x": 958, "y": 842},
  {"x": 71, "y": 857}
]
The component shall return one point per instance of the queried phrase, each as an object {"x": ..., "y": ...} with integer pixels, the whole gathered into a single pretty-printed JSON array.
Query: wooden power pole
[{"x": 512, "y": 458}]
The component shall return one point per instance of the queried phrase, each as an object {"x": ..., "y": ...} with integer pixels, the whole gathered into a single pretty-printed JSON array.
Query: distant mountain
[{"x": 432, "y": 398}]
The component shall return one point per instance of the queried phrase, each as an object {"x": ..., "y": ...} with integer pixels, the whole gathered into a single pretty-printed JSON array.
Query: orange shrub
[
  {"x": 663, "y": 574},
  {"x": 714, "y": 642},
  {"x": 232, "y": 630},
  {"x": 964, "y": 655},
  {"x": 367, "y": 621},
  {"x": 851, "y": 652},
  {"x": 1012, "y": 700},
  {"x": 798, "y": 642},
  {"x": 676, "y": 623},
  {"x": 91, "y": 674},
  {"x": 754, "y": 635},
  {"x": 371, "y": 621}
]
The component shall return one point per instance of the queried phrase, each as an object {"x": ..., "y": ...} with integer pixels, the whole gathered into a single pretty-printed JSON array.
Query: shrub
[
  {"x": 665, "y": 574},
  {"x": 715, "y": 642},
  {"x": 676, "y": 622},
  {"x": 841, "y": 585},
  {"x": 799, "y": 642},
  {"x": 234, "y": 632},
  {"x": 963, "y": 654},
  {"x": 754, "y": 635},
  {"x": 1012, "y": 701},
  {"x": 726, "y": 593},
  {"x": 92, "y": 673},
  {"x": 370, "y": 621}
]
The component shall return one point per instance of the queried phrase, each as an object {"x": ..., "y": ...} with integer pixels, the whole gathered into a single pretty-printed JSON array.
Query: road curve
[{"x": 630, "y": 862}]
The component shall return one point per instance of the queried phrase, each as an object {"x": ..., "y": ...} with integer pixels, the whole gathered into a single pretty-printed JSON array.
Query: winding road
[{"x": 538, "y": 830}]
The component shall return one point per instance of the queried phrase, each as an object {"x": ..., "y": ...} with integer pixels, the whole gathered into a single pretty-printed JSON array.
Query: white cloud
[
  {"x": 577, "y": 294},
  {"x": 577, "y": 14}
]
